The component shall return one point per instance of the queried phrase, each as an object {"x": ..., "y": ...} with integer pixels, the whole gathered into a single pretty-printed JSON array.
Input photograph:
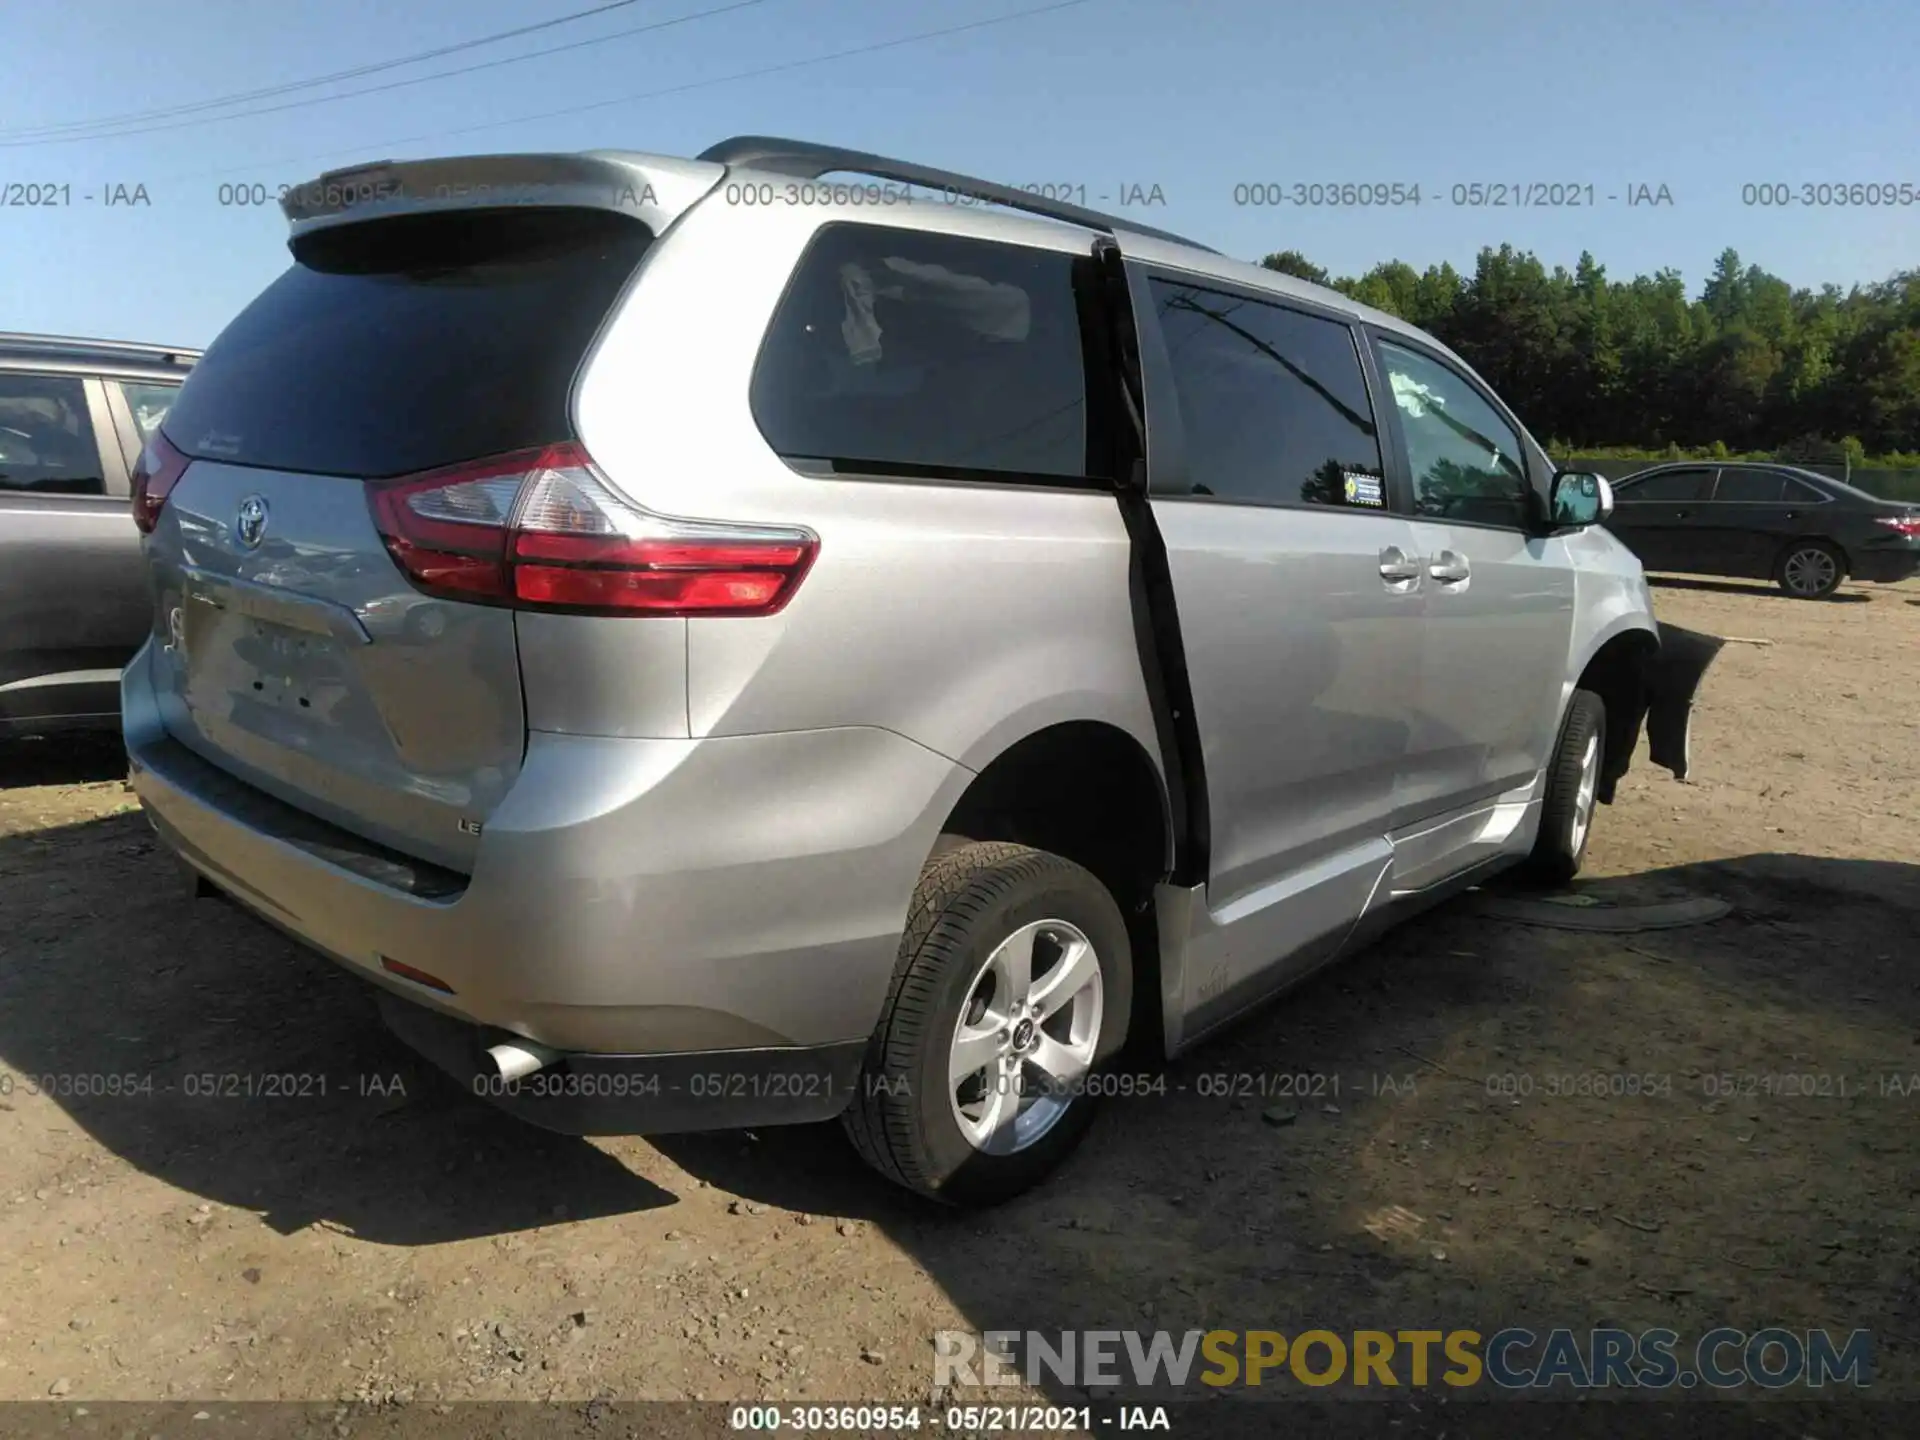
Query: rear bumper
[
  {"x": 1887, "y": 567},
  {"x": 629, "y": 897},
  {"x": 50, "y": 702},
  {"x": 596, "y": 1094}
]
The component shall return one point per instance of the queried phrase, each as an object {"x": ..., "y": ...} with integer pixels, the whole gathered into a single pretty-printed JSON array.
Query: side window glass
[
  {"x": 1750, "y": 487},
  {"x": 905, "y": 351},
  {"x": 1466, "y": 461},
  {"x": 149, "y": 404},
  {"x": 47, "y": 443},
  {"x": 1670, "y": 487},
  {"x": 1273, "y": 400},
  {"x": 1799, "y": 492}
]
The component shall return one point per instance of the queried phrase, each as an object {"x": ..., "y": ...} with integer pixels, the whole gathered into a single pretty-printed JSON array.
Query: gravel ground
[{"x": 393, "y": 1238}]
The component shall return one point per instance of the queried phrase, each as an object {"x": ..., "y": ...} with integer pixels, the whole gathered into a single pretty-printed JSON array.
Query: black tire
[
  {"x": 968, "y": 901},
  {"x": 1810, "y": 569},
  {"x": 1564, "y": 828}
]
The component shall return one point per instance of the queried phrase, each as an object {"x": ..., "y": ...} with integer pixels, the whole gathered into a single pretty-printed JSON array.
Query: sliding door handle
[{"x": 1399, "y": 569}]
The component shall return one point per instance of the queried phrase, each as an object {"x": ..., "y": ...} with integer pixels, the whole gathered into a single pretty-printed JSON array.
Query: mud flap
[{"x": 1673, "y": 675}]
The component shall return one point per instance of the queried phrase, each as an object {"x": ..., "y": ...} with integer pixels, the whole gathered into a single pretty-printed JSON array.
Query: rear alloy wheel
[
  {"x": 1013, "y": 985},
  {"x": 1811, "y": 570},
  {"x": 1025, "y": 1036},
  {"x": 1573, "y": 791}
]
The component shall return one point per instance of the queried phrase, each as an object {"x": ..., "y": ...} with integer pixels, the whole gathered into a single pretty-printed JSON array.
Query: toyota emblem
[{"x": 252, "y": 522}]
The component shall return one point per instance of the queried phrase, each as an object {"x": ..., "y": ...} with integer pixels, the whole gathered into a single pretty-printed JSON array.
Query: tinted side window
[
  {"x": 1466, "y": 461},
  {"x": 907, "y": 352},
  {"x": 1668, "y": 488},
  {"x": 46, "y": 436},
  {"x": 1274, "y": 402},
  {"x": 1799, "y": 492},
  {"x": 149, "y": 404},
  {"x": 1753, "y": 487}
]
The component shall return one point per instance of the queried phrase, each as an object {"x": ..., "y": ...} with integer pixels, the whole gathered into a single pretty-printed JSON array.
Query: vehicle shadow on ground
[
  {"x": 1752, "y": 588},
  {"x": 76, "y": 759},
  {"x": 215, "y": 1054},
  {"x": 1343, "y": 1159},
  {"x": 1457, "y": 1178}
]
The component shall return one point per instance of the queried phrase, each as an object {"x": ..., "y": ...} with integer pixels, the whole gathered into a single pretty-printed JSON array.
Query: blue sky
[{"x": 1701, "y": 96}]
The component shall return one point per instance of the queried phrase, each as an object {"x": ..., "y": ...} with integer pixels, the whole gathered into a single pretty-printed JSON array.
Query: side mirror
[{"x": 1580, "y": 498}]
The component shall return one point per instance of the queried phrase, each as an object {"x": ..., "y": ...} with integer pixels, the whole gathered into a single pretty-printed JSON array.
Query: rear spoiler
[{"x": 654, "y": 189}]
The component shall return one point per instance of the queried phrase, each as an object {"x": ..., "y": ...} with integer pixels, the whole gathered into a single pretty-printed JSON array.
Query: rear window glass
[
  {"x": 1754, "y": 487},
  {"x": 403, "y": 344},
  {"x": 905, "y": 352}
]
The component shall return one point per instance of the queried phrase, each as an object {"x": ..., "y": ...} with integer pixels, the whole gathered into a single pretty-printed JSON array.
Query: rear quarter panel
[{"x": 963, "y": 616}]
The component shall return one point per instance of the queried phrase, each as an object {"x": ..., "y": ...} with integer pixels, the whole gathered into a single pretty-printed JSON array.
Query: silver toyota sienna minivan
[{"x": 795, "y": 634}]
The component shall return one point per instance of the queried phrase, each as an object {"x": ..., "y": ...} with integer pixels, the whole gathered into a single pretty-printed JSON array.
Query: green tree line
[{"x": 1750, "y": 365}]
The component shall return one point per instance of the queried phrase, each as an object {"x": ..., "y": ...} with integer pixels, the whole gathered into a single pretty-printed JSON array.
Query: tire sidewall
[
  {"x": 1554, "y": 858},
  {"x": 959, "y": 1171},
  {"x": 1576, "y": 854}
]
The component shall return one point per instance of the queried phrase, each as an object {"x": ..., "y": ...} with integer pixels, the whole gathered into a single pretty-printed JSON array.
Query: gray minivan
[
  {"x": 719, "y": 645},
  {"x": 74, "y": 415}
]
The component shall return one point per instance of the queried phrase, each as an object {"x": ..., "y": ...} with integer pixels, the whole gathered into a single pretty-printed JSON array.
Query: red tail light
[
  {"x": 540, "y": 529},
  {"x": 1907, "y": 525},
  {"x": 155, "y": 474}
]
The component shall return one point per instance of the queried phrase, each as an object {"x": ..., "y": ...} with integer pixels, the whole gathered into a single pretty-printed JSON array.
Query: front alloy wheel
[{"x": 1584, "y": 792}]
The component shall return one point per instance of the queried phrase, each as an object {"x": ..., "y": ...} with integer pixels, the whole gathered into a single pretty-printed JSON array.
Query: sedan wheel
[{"x": 1810, "y": 572}]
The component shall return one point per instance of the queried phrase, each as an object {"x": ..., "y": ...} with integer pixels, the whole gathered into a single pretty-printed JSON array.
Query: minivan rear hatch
[{"x": 290, "y": 648}]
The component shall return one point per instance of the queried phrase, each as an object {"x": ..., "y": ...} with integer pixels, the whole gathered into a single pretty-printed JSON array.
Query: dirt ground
[{"x": 394, "y": 1238}]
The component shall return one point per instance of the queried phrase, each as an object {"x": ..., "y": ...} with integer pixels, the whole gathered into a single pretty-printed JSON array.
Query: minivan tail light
[
  {"x": 155, "y": 473},
  {"x": 1907, "y": 525},
  {"x": 542, "y": 530}
]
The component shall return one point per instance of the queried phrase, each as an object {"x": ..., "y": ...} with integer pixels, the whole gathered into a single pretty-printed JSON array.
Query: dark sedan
[{"x": 1805, "y": 532}]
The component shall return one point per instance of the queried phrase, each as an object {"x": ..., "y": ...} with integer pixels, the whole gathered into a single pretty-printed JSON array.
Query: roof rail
[
  {"x": 810, "y": 162},
  {"x": 12, "y": 340}
]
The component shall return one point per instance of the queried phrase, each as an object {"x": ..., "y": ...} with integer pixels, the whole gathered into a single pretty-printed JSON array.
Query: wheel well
[
  {"x": 1617, "y": 674},
  {"x": 1087, "y": 791}
]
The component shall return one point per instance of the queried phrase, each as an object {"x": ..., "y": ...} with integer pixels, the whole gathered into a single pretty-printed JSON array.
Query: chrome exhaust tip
[{"x": 516, "y": 1059}]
